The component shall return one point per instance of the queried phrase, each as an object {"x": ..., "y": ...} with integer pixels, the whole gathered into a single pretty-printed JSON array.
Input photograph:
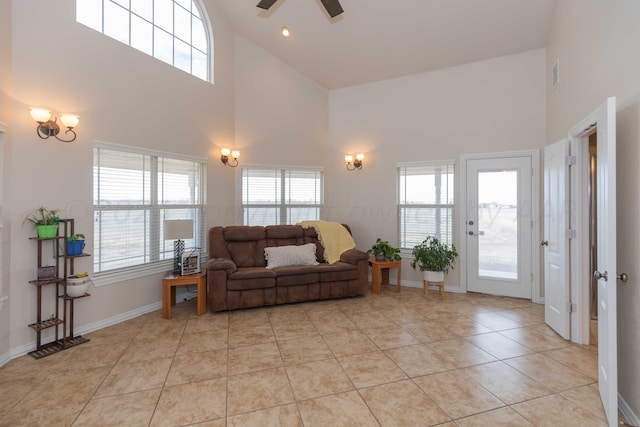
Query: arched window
[{"x": 174, "y": 31}]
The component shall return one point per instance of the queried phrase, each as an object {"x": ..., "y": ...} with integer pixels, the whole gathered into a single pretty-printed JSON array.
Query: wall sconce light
[
  {"x": 357, "y": 163},
  {"x": 47, "y": 127},
  {"x": 224, "y": 158}
]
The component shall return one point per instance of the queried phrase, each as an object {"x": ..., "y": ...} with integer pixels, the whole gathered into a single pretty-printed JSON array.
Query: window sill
[
  {"x": 124, "y": 274},
  {"x": 121, "y": 275}
]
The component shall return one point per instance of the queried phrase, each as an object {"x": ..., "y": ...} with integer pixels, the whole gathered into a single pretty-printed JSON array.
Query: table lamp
[{"x": 178, "y": 229}]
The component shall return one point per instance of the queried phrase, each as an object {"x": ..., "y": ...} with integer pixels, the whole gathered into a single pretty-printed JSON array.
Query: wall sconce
[
  {"x": 357, "y": 163},
  {"x": 224, "y": 158},
  {"x": 47, "y": 127}
]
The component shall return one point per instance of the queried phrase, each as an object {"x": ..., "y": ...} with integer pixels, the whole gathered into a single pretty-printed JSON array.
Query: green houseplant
[
  {"x": 75, "y": 244},
  {"x": 381, "y": 249},
  {"x": 46, "y": 221},
  {"x": 433, "y": 256}
]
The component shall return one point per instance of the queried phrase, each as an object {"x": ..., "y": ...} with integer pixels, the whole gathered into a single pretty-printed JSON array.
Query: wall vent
[{"x": 555, "y": 74}]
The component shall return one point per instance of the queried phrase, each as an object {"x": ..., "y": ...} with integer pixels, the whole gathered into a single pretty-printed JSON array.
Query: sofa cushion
[
  {"x": 298, "y": 279},
  {"x": 297, "y": 275},
  {"x": 282, "y": 256},
  {"x": 251, "y": 278},
  {"x": 337, "y": 271},
  {"x": 247, "y": 254}
]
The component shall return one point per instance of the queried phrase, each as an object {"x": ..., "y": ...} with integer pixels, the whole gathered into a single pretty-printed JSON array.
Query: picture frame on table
[{"x": 190, "y": 263}]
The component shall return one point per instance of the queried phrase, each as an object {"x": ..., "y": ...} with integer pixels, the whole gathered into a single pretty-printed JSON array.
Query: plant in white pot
[{"x": 434, "y": 258}]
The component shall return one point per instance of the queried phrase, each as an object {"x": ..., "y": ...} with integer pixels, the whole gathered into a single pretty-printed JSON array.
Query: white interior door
[
  {"x": 605, "y": 122},
  {"x": 555, "y": 240},
  {"x": 498, "y": 226}
]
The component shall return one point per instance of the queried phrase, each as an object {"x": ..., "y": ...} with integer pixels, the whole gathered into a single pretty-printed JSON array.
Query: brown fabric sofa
[{"x": 237, "y": 276}]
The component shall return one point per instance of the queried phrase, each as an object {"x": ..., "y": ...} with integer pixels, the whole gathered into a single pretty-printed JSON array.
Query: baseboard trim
[
  {"x": 626, "y": 411},
  {"x": 85, "y": 329},
  {"x": 414, "y": 284},
  {"x": 5, "y": 358}
]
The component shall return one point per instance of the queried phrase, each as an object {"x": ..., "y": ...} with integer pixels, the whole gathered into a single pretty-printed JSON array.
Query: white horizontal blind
[
  {"x": 281, "y": 196},
  {"x": 425, "y": 203},
  {"x": 134, "y": 193},
  {"x": 172, "y": 31}
]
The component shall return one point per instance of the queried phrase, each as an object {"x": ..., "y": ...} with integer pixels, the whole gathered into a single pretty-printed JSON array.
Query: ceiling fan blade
[
  {"x": 333, "y": 7},
  {"x": 266, "y": 4}
]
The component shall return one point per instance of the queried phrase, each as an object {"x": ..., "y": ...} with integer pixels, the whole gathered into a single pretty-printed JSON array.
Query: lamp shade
[
  {"x": 40, "y": 115},
  {"x": 70, "y": 120},
  {"x": 178, "y": 229}
]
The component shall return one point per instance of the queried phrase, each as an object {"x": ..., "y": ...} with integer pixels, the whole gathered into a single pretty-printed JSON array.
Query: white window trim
[
  {"x": 149, "y": 151},
  {"x": 119, "y": 275}
]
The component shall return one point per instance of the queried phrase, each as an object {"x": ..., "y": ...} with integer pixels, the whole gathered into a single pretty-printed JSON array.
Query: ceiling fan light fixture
[
  {"x": 285, "y": 31},
  {"x": 332, "y": 7}
]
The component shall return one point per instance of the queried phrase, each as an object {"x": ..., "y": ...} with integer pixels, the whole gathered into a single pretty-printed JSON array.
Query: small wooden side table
[
  {"x": 169, "y": 283},
  {"x": 380, "y": 272}
]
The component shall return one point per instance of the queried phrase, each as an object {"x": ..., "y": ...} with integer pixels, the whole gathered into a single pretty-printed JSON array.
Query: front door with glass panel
[{"x": 498, "y": 226}]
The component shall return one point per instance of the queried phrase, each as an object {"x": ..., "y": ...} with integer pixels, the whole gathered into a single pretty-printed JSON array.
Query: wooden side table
[
  {"x": 169, "y": 283},
  {"x": 380, "y": 272}
]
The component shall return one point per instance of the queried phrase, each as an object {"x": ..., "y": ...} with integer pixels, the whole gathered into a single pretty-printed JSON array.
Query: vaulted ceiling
[{"x": 380, "y": 39}]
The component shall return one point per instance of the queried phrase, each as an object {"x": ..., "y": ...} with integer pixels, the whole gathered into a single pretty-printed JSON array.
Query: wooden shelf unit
[{"x": 63, "y": 319}]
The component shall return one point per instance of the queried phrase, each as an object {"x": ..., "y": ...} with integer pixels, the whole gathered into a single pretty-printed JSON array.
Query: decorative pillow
[{"x": 282, "y": 256}]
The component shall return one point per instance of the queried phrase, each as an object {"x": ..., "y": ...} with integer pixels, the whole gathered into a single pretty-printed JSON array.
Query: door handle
[
  {"x": 623, "y": 277},
  {"x": 544, "y": 243},
  {"x": 599, "y": 275},
  {"x": 471, "y": 233}
]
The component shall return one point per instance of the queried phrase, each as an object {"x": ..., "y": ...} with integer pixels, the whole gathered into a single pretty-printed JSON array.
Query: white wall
[
  {"x": 596, "y": 42},
  {"x": 122, "y": 96},
  {"x": 5, "y": 122},
  {"x": 487, "y": 106},
  {"x": 281, "y": 116}
]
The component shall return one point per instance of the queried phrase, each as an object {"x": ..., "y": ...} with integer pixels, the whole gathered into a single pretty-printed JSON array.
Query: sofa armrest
[
  {"x": 221, "y": 264},
  {"x": 353, "y": 256},
  {"x": 218, "y": 271}
]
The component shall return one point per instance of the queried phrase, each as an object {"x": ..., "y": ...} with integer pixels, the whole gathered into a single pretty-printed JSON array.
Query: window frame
[
  {"x": 282, "y": 205},
  {"x": 154, "y": 207},
  {"x": 157, "y": 30},
  {"x": 417, "y": 166}
]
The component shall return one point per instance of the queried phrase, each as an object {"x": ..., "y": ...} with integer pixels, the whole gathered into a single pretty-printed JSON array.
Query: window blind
[
  {"x": 281, "y": 196},
  {"x": 425, "y": 203},
  {"x": 134, "y": 193}
]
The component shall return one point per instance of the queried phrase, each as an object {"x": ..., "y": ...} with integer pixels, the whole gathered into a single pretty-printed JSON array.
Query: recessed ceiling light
[{"x": 286, "y": 32}]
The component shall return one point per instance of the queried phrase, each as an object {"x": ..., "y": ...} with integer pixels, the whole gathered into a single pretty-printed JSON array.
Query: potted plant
[
  {"x": 75, "y": 244},
  {"x": 46, "y": 222},
  {"x": 434, "y": 258},
  {"x": 382, "y": 250}
]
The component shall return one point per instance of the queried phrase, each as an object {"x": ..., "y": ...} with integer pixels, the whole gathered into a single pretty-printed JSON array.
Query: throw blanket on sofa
[{"x": 333, "y": 236}]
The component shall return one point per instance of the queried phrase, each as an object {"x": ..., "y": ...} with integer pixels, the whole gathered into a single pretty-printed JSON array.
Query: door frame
[
  {"x": 579, "y": 247},
  {"x": 535, "y": 214},
  {"x": 603, "y": 116}
]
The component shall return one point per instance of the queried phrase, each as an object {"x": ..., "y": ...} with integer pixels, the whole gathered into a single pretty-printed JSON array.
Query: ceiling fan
[{"x": 332, "y": 6}]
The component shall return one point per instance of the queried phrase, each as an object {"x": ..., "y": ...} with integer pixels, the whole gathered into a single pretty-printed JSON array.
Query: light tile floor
[{"x": 393, "y": 359}]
